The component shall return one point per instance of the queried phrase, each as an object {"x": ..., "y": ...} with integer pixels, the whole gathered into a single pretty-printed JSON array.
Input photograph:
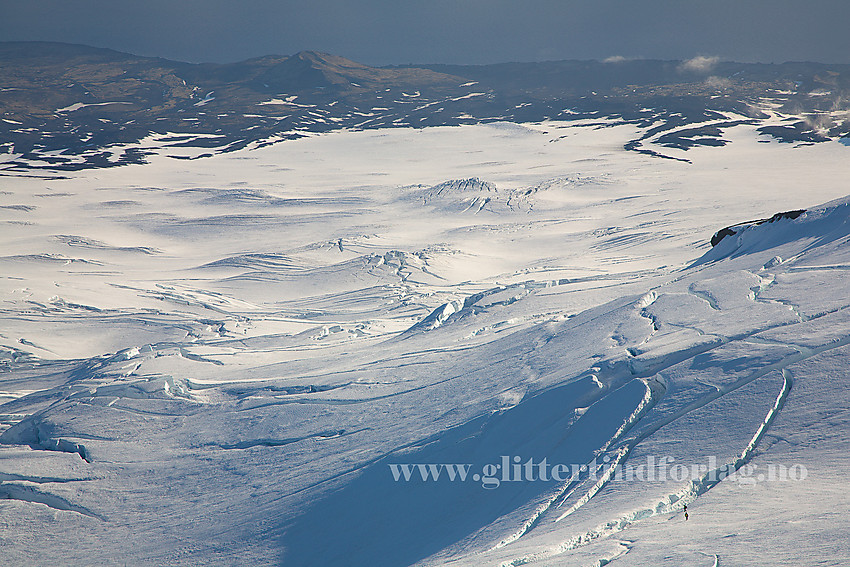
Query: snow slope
[{"x": 221, "y": 361}]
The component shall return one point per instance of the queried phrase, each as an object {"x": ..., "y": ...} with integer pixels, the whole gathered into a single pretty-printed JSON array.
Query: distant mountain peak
[
  {"x": 61, "y": 104},
  {"x": 327, "y": 59}
]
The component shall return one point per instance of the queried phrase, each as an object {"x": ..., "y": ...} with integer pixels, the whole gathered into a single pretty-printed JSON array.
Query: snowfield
[{"x": 255, "y": 358}]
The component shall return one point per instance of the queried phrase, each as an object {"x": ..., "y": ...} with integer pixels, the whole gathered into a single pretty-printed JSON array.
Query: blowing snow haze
[{"x": 330, "y": 308}]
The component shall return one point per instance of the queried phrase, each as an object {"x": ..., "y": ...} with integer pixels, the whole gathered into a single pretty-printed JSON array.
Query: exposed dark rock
[{"x": 735, "y": 228}]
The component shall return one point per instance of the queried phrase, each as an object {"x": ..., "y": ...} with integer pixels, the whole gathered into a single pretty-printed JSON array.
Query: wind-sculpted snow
[{"x": 338, "y": 351}]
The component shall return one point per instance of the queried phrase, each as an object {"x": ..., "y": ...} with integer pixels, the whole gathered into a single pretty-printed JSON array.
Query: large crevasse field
[{"x": 242, "y": 359}]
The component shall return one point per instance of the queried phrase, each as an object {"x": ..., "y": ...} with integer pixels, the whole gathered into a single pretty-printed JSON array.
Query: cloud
[
  {"x": 718, "y": 82},
  {"x": 615, "y": 59},
  {"x": 699, "y": 64}
]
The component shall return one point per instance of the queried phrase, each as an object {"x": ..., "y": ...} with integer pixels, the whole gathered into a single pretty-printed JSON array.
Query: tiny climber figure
[{"x": 685, "y": 509}]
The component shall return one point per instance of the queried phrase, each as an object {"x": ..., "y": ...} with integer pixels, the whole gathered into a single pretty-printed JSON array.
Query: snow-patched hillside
[{"x": 253, "y": 359}]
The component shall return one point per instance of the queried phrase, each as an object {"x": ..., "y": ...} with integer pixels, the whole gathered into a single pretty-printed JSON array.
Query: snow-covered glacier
[{"x": 503, "y": 344}]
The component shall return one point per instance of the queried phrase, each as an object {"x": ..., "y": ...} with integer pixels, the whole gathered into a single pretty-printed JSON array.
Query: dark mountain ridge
[{"x": 70, "y": 106}]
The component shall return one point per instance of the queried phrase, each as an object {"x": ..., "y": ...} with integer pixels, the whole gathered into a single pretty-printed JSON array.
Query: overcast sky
[{"x": 382, "y": 32}]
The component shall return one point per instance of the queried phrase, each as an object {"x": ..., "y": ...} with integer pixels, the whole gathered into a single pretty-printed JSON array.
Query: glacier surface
[{"x": 226, "y": 360}]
